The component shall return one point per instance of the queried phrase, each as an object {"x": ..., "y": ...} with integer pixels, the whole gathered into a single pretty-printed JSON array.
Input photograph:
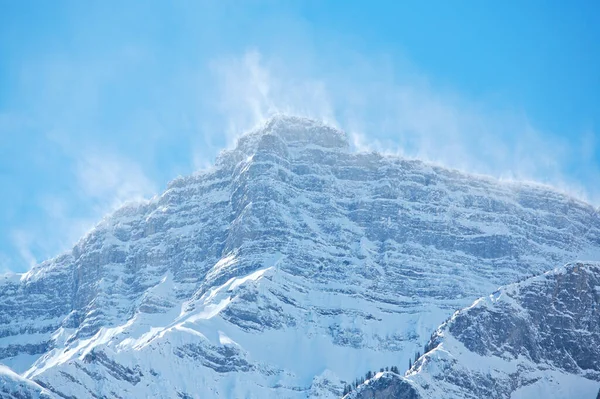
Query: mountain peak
[
  {"x": 300, "y": 130},
  {"x": 295, "y": 131},
  {"x": 283, "y": 135}
]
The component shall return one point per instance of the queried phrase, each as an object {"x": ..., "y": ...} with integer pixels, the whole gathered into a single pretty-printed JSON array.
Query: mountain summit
[
  {"x": 297, "y": 131},
  {"x": 286, "y": 270}
]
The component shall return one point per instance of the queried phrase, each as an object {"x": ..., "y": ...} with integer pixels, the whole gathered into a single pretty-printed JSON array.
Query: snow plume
[
  {"x": 251, "y": 88},
  {"x": 391, "y": 107},
  {"x": 111, "y": 181}
]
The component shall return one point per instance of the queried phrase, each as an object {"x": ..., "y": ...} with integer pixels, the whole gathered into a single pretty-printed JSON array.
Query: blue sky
[{"x": 103, "y": 101}]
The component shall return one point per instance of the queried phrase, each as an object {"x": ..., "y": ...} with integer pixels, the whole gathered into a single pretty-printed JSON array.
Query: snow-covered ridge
[
  {"x": 284, "y": 271},
  {"x": 532, "y": 339},
  {"x": 538, "y": 338}
]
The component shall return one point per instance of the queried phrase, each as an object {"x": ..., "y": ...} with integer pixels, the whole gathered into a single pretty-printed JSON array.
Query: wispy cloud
[
  {"x": 70, "y": 139},
  {"x": 109, "y": 180},
  {"x": 23, "y": 240}
]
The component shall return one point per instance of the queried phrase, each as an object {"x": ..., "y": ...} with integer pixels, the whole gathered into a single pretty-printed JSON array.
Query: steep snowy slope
[
  {"x": 13, "y": 386},
  {"x": 536, "y": 339},
  {"x": 291, "y": 265}
]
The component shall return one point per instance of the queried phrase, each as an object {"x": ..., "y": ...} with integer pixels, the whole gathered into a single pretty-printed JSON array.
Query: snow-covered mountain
[
  {"x": 290, "y": 267},
  {"x": 539, "y": 338}
]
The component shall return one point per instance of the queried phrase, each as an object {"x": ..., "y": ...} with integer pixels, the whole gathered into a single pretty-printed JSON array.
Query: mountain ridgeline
[
  {"x": 294, "y": 264},
  {"x": 539, "y": 338}
]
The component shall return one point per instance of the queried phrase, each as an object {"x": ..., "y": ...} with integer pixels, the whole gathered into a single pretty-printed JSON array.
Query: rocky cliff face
[
  {"x": 536, "y": 339},
  {"x": 292, "y": 265}
]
